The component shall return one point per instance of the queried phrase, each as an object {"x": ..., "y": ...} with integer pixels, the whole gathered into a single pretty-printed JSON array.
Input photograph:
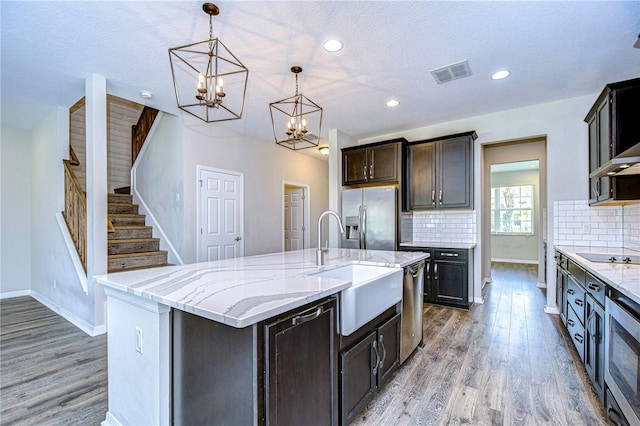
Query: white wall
[
  {"x": 49, "y": 257},
  {"x": 567, "y": 155},
  {"x": 159, "y": 178},
  {"x": 265, "y": 166},
  {"x": 15, "y": 215},
  {"x": 518, "y": 247}
]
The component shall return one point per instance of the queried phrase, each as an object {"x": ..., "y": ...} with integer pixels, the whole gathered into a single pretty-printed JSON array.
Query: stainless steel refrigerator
[{"x": 370, "y": 219}]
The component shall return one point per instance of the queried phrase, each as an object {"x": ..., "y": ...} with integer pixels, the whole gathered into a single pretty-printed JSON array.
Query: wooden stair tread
[
  {"x": 124, "y": 215},
  {"x": 133, "y": 240},
  {"x": 142, "y": 253},
  {"x": 132, "y": 227}
]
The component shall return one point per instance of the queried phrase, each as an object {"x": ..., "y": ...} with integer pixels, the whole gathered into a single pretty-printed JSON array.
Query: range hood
[{"x": 625, "y": 164}]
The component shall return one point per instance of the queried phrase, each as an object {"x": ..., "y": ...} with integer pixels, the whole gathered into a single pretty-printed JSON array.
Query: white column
[{"x": 96, "y": 134}]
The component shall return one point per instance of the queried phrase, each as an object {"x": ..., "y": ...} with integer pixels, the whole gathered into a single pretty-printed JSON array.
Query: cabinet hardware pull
[
  {"x": 440, "y": 196},
  {"x": 570, "y": 322},
  {"x": 578, "y": 302},
  {"x": 578, "y": 338},
  {"x": 428, "y": 268},
  {"x": 371, "y": 171},
  {"x": 593, "y": 286},
  {"x": 364, "y": 173},
  {"x": 300, "y": 319},
  {"x": 384, "y": 352},
  {"x": 435, "y": 271},
  {"x": 614, "y": 415},
  {"x": 570, "y": 291},
  {"x": 433, "y": 197},
  {"x": 449, "y": 254},
  {"x": 375, "y": 365}
]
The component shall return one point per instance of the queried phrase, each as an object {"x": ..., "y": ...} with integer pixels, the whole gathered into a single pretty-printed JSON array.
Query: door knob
[{"x": 237, "y": 238}]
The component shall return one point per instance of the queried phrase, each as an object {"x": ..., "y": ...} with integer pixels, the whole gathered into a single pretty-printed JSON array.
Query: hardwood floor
[
  {"x": 51, "y": 373},
  {"x": 505, "y": 362}
]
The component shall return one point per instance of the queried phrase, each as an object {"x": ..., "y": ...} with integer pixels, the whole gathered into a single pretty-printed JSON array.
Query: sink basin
[{"x": 373, "y": 290}]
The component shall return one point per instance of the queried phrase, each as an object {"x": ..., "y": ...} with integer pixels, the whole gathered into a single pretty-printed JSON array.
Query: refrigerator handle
[
  {"x": 364, "y": 227},
  {"x": 360, "y": 234}
]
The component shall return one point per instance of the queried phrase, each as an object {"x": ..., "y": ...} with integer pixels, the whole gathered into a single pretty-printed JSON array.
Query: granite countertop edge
[{"x": 624, "y": 278}]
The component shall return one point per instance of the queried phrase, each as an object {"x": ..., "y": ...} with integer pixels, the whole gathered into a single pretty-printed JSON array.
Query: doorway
[
  {"x": 515, "y": 165},
  {"x": 295, "y": 216},
  {"x": 220, "y": 214}
]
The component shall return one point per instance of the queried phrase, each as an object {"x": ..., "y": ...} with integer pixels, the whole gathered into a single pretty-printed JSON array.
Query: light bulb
[{"x": 201, "y": 83}]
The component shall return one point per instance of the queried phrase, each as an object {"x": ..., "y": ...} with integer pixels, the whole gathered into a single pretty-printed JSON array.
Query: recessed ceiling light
[
  {"x": 393, "y": 103},
  {"x": 333, "y": 45},
  {"x": 145, "y": 94},
  {"x": 500, "y": 75}
]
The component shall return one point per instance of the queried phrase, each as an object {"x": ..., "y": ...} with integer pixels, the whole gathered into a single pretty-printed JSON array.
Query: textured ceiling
[{"x": 554, "y": 50}]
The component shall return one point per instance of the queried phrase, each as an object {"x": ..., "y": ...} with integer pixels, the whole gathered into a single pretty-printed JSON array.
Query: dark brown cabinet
[
  {"x": 369, "y": 357},
  {"x": 283, "y": 371},
  {"x": 581, "y": 298},
  {"x": 300, "y": 375},
  {"x": 614, "y": 130},
  {"x": 375, "y": 163},
  {"x": 439, "y": 173}
]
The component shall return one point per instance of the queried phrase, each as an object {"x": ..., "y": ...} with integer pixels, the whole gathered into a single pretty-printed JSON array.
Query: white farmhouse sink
[{"x": 373, "y": 290}]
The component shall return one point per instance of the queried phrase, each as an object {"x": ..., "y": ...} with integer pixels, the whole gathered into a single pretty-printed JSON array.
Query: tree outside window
[{"x": 512, "y": 210}]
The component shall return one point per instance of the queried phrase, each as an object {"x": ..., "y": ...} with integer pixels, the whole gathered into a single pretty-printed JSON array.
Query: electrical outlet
[
  {"x": 586, "y": 228},
  {"x": 138, "y": 340}
]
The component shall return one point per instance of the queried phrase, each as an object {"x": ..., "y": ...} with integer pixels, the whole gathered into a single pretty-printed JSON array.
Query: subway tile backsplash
[
  {"x": 439, "y": 227},
  {"x": 577, "y": 224}
]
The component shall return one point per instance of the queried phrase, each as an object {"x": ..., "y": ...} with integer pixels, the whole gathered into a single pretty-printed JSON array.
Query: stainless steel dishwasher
[{"x": 413, "y": 286}]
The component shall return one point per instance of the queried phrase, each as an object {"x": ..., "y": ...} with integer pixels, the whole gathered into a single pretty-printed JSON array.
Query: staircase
[{"x": 130, "y": 243}]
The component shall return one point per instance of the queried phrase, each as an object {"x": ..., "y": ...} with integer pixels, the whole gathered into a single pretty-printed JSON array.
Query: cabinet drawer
[
  {"x": 449, "y": 254},
  {"x": 578, "y": 273},
  {"x": 596, "y": 288},
  {"x": 575, "y": 298},
  {"x": 576, "y": 331}
]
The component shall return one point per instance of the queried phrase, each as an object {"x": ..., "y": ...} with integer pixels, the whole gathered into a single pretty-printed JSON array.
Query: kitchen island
[{"x": 236, "y": 298}]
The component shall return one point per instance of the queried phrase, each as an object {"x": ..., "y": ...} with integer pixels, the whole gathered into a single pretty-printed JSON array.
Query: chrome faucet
[{"x": 320, "y": 252}]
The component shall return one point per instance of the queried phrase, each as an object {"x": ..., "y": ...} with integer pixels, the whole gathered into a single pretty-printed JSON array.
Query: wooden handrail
[
  {"x": 140, "y": 130},
  {"x": 75, "y": 212}
]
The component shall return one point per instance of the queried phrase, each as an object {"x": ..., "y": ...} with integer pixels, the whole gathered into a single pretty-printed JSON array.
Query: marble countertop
[
  {"x": 624, "y": 278},
  {"x": 243, "y": 291},
  {"x": 464, "y": 246}
]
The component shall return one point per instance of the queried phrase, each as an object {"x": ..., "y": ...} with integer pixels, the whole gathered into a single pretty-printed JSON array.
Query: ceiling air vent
[{"x": 451, "y": 72}]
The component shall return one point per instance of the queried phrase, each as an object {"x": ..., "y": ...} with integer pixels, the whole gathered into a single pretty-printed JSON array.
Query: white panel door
[
  {"x": 294, "y": 219},
  {"x": 220, "y": 216}
]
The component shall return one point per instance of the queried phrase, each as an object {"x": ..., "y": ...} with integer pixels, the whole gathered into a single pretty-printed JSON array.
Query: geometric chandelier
[
  {"x": 296, "y": 120},
  {"x": 210, "y": 82}
]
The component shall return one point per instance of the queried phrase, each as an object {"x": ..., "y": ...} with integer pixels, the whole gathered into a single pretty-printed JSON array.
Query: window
[{"x": 512, "y": 209}]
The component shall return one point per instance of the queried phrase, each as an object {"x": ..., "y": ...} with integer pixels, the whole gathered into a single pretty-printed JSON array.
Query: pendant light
[
  {"x": 296, "y": 120},
  {"x": 210, "y": 81}
]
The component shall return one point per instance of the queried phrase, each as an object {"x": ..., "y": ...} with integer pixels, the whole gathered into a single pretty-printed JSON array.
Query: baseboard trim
[
  {"x": 12, "y": 294},
  {"x": 110, "y": 420},
  {"x": 89, "y": 329},
  {"x": 524, "y": 261},
  {"x": 542, "y": 285},
  {"x": 554, "y": 310},
  {"x": 478, "y": 300}
]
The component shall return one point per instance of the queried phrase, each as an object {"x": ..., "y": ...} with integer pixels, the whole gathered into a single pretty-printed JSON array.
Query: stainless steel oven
[{"x": 622, "y": 356}]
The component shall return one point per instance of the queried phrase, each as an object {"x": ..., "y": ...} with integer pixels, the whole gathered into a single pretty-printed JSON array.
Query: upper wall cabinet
[
  {"x": 374, "y": 163},
  {"x": 614, "y": 136},
  {"x": 439, "y": 173}
]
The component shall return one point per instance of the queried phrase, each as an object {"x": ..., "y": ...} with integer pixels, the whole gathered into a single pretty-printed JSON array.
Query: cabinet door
[
  {"x": 421, "y": 176},
  {"x": 383, "y": 163},
  {"x": 561, "y": 284},
  {"x": 358, "y": 375},
  {"x": 355, "y": 168},
  {"x": 454, "y": 173},
  {"x": 388, "y": 349},
  {"x": 594, "y": 345},
  {"x": 451, "y": 283},
  {"x": 594, "y": 163},
  {"x": 300, "y": 375},
  {"x": 604, "y": 142}
]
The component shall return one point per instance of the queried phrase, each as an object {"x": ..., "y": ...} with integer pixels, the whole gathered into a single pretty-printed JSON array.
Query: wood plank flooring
[
  {"x": 51, "y": 373},
  {"x": 505, "y": 362}
]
